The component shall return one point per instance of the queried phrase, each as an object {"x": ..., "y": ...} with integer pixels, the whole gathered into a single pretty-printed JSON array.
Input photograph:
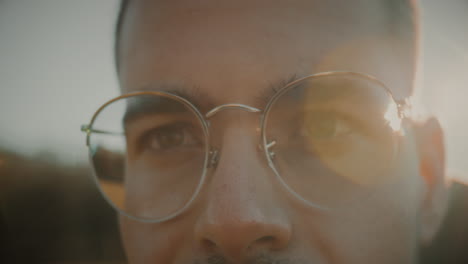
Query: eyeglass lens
[
  {"x": 149, "y": 157},
  {"x": 334, "y": 137}
]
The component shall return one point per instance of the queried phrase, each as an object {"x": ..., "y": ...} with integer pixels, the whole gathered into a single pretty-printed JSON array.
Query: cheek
[
  {"x": 381, "y": 226},
  {"x": 151, "y": 243},
  {"x": 376, "y": 231},
  {"x": 154, "y": 193}
]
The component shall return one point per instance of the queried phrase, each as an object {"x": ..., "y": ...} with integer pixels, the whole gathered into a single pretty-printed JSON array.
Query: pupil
[
  {"x": 322, "y": 126},
  {"x": 171, "y": 138}
]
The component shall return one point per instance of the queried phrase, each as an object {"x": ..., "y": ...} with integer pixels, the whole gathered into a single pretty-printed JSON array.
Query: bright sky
[{"x": 56, "y": 68}]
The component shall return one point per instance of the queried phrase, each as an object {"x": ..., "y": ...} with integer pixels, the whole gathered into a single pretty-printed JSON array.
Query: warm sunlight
[{"x": 392, "y": 117}]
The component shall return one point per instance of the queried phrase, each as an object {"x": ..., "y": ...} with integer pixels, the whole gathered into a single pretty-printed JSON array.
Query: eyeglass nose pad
[
  {"x": 269, "y": 146},
  {"x": 213, "y": 158}
]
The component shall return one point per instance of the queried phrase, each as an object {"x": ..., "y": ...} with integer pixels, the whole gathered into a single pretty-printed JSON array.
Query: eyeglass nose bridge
[
  {"x": 214, "y": 153},
  {"x": 244, "y": 107}
]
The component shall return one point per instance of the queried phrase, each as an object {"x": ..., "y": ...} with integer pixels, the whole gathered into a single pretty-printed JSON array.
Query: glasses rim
[
  {"x": 210, "y": 153},
  {"x": 88, "y": 130},
  {"x": 264, "y": 121}
]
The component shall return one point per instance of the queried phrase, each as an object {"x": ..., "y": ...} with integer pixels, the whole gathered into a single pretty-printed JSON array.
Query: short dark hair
[
  {"x": 401, "y": 13},
  {"x": 118, "y": 29}
]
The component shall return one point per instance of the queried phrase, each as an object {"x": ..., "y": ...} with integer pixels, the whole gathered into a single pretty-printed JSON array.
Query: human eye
[
  {"x": 329, "y": 132},
  {"x": 168, "y": 138},
  {"x": 327, "y": 125}
]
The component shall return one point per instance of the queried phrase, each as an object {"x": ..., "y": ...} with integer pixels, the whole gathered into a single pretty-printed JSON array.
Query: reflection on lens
[
  {"x": 334, "y": 137},
  {"x": 148, "y": 153}
]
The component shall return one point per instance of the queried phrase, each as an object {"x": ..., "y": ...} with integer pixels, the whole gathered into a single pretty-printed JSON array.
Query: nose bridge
[
  {"x": 236, "y": 122},
  {"x": 242, "y": 210},
  {"x": 239, "y": 170},
  {"x": 241, "y": 163},
  {"x": 236, "y": 144}
]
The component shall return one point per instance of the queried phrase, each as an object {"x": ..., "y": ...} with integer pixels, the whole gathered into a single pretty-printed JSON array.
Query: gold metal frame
[
  {"x": 88, "y": 129},
  {"x": 211, "y": 154},
  {"x": 402, "y": 108}
]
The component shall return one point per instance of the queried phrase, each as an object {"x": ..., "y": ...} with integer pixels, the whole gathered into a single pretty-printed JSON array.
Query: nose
[{"x": 242, "y": 213}]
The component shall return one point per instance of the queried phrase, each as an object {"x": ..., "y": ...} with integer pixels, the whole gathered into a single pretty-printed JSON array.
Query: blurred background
[{"x": 56, "y": 69}]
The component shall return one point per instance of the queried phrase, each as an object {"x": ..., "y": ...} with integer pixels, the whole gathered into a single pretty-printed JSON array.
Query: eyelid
[
  {"x": 141, "y": 139},
  {"x": 149, "y": 122},
  {"x": 349, "y": 119}
]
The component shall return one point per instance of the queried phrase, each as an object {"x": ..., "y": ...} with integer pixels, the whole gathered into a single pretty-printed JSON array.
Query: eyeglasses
[{"x": 327, "y": 138}]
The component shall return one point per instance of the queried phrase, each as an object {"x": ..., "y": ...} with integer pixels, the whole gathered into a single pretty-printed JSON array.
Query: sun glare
[{"x": 392, "y": 117}]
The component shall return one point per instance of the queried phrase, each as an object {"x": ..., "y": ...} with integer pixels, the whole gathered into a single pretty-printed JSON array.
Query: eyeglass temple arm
[{"x": 88, "y": 130}]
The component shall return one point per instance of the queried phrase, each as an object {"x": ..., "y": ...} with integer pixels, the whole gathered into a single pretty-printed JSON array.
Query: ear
[{"x": 431, "y": 150}]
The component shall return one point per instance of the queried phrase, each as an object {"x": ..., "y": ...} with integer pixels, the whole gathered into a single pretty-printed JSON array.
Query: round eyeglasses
[{"x": 327, "y": 137}]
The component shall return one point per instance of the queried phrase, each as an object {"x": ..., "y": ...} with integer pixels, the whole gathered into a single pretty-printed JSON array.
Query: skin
[{"x": 231, "y": 51}]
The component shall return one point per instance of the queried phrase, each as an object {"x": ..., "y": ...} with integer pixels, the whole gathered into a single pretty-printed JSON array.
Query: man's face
[{"x": 231, "y": 51}]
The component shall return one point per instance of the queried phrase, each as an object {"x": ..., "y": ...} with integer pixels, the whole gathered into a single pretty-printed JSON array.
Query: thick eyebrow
[
  {"x": 142, "y": 105},
  {"x": 203, "y": 102},
  {"x": 193, "y": 94},
  {"x": 265, "y": 95}
]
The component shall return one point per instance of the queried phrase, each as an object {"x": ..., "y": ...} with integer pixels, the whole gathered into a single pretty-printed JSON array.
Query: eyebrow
[
  {"x": 193, "y": 94},
  {"x": 141, "y": 106},
  {"x": 265, "y": 95}
]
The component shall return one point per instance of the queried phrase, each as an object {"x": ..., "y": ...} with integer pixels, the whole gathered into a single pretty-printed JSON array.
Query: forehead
[{"x": 232, "y": 49}]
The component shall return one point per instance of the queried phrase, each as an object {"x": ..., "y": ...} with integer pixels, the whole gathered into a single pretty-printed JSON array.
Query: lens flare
[{"x": 392, "y": 117}]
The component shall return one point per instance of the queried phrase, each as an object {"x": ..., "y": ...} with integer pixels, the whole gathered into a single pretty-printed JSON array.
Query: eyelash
[{"x": 143, "y": 140}]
